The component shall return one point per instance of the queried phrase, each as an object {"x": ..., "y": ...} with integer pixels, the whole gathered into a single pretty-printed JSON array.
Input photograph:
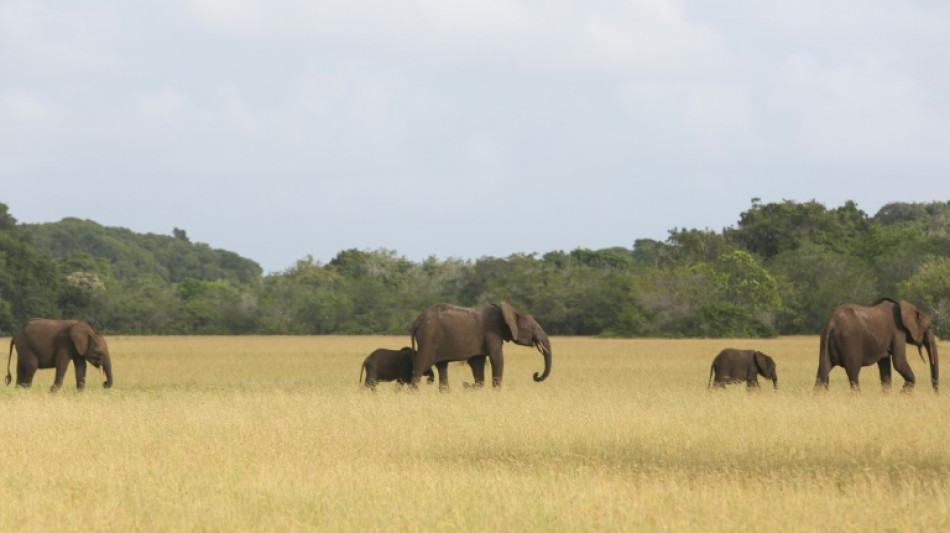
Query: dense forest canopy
[{"x": 780, "y": 270}]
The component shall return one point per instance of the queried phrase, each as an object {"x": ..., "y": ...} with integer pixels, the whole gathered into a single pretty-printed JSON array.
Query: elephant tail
[
  {"x": 824, "y": 356},
  {"x": 712, "y": 369},
  {"x": 412, "y": 337},
  {"x": 9, "y": 356},
  {"x": 414, "y": 332},
  {"x": 362, "y": 368}
]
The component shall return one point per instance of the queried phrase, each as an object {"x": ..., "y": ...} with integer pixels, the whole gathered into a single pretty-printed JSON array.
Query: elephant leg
[
  {"x": 852, "y": 370},
  {"x": 477, "y": 364},
  {"x": 80, "y": 366},
  {"x": 61, "y": 367},
  {"x": 420, "y": 363},
  {"x": 443, "y": 368},
  {"x": 903, "y": 368},
  {"x": 370, "y": 381},
  {"x": 497, "y": 370},
  {"x": 752, "y": 378},
  {"x": 25, "y": 370},
  {"x": 884, "y": 367},
  {"x": 497, "y": 358},
  {"x": 821, "y": 380}
]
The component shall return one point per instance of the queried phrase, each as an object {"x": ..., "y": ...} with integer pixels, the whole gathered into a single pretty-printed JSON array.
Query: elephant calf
[
  {"x": 735, "y": 366},
  {"x": 390, "y": 365}
]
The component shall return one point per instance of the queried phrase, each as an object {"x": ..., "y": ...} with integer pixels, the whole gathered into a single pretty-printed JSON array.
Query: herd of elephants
[{"x": 855, "y": 336}]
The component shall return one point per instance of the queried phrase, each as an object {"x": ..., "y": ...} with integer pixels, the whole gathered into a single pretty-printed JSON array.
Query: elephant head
[
  {"x": 766, "y": 367},
  {"x": 92, "y": 347},
  {"x": 526, "y": 331},
  {"x": 919, "y": 328}
]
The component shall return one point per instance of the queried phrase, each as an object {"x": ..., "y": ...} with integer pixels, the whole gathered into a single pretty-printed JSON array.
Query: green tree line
[{"x": 781, "y": 269}]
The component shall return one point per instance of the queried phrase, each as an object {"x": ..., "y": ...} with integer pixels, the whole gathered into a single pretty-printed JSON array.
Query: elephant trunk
[
  {"x": 930, "y": 343},
  {"x": 107, "y": 368},
  {"x": 544, "y": 346}
]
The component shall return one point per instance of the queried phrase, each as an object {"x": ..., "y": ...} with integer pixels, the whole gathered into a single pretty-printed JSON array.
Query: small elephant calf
[
  {"x": 735, "y": 366},
  {"x": 390, "y": 365}
]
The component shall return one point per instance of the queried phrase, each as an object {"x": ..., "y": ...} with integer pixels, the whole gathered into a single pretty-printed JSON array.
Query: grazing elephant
[
  {"x": 390, "y": 365},
  {"x": 43, "y": 343},
  {"x": 859, "y": 336},
  {"x": 736, "y": 366},
  {"x": 445, "y": 332}
]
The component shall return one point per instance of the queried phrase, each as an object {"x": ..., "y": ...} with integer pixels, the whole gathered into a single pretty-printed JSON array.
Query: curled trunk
[{"x": 544, "y": 346}]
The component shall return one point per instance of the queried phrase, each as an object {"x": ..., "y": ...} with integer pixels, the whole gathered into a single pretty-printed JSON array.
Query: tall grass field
[{"x": 276, "y": 434}]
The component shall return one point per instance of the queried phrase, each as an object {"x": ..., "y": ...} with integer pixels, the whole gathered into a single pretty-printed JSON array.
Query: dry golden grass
[{"x": 274, "y": 434}]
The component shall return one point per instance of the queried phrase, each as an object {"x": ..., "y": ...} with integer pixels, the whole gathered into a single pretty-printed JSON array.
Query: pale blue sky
[{"x": 285, "y": 128}]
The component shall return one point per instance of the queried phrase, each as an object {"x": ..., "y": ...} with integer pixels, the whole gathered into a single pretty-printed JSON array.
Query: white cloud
[
  {"x": 711, "y": 118},
  {"x": 594, "y": 107},
  {"x": 718, "y": 115},
  {"x": 23, "y": 108},
  {"x": 236, "y": 16},
  {"x": 645, "y": 36},
  {"x": 857, "y": 111},
  {"x": 163, "y": 103},
  {"x": 41, "y": 42}
]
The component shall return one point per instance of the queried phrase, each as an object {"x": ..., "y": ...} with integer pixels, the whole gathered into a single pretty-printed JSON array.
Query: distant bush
[{"x": 780, "y": 270}]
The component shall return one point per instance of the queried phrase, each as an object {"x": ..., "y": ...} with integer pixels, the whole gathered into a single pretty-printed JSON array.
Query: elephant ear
[
  {"x": 511, "y": 318},
  {"x": 911, "y": 322},
  {"x": 755, "y": 361},
  {"x": 80, "y": 333}
]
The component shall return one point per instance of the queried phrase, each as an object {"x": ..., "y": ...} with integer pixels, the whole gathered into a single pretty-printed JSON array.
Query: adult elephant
[
  {"x": 445, "y": 332},
  {"x": 44, "y": 343},
  {"x": 858, "y": 336}
]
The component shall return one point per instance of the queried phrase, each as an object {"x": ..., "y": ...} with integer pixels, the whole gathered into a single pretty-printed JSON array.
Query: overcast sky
[{"x": 280, "y": 129}]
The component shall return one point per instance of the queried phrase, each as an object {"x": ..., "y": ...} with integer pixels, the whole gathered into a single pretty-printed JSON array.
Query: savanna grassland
[{"x": 275, "y": 434}]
